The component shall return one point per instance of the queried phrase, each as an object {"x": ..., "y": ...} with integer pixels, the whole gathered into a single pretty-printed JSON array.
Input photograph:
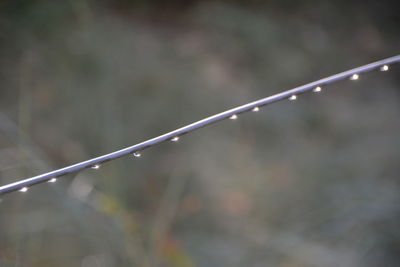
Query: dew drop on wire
[
  {"x": 23, "y": 189},
  {"x": 384, "y": 68},
  {"x": 96, "y": 167},
  {"x": 354, "y": 77},
  {"x": 317, "y": 89}
]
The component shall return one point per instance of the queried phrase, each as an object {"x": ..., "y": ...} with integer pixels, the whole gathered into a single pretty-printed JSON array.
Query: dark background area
[{"x": 313, "y": 182}]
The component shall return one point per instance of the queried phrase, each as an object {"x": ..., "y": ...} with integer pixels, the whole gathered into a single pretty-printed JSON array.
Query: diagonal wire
[{"x": 291, "y": 94}]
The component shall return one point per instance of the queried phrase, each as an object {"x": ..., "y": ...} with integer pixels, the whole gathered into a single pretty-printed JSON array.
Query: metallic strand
[{"x": 353, "y": 74}]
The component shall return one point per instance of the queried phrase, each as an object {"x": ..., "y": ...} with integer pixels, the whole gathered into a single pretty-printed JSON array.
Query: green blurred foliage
[{"x": 310, "y": 183}]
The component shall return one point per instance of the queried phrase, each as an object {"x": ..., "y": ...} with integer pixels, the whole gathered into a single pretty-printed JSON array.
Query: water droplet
[
  {"x": 96, "y": 167},
  {"x": 384, "y": 68},
  {"x": 175, "y": 139},
  {"x": 233, "y": 117},
  {"x": 293, "y": 97},
  {"x": 317, "y": 89},
  {"x": 354, "y": 77},
  {"x": 137, "y": 154},
  {"x": 23, "y": 189},
  {"x": 256, "y": 109},
  {"x": 52, "y": 180}
]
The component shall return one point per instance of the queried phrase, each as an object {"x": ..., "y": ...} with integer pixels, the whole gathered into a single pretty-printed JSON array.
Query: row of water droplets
[{"x": 138, "y": 154}]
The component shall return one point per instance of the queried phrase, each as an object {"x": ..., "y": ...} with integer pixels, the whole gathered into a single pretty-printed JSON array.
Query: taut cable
[{"x": 135, "y": 150}]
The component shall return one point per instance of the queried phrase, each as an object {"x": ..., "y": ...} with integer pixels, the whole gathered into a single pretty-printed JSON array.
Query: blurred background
[{"x": 308, "y": 183}]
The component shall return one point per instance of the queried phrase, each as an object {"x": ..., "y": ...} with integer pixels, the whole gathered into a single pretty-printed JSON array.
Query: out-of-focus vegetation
[{"x": 310, "y": 183}]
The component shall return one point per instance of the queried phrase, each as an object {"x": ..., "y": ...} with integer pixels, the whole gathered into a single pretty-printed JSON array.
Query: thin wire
[{"x": 95, "y": 163}]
